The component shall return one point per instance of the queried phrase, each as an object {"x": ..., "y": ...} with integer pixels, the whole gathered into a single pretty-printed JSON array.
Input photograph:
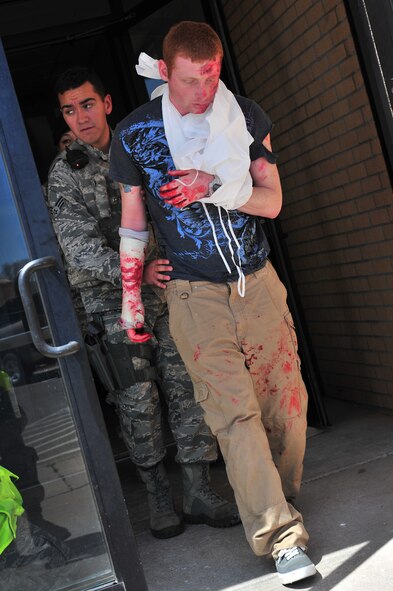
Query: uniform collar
[{"x": 94, "y": 151}]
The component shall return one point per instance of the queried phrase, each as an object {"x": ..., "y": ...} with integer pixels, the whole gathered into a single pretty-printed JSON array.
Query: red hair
[{"x": 196, "y": 41}]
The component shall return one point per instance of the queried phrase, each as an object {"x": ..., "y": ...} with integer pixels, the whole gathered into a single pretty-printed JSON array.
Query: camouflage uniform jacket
[{"x": 86, "y": 208}]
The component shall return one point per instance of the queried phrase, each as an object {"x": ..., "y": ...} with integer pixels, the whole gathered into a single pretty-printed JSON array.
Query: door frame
[
  {"x": 371, "y": 26},
  {"x": 76, "y": 373}
]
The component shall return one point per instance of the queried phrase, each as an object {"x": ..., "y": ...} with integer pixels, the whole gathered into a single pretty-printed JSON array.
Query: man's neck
[
  {"x": 105, "y": 148},
  {"x": 176, "y": 107},
  {"x": 106, "y": 143}
]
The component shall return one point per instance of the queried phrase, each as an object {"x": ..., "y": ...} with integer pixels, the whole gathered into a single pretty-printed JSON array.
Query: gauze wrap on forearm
[{"x": 132, "y": 257}]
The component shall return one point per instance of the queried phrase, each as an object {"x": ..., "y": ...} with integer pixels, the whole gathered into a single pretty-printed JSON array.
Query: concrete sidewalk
[{"x": 347, "y": 505}]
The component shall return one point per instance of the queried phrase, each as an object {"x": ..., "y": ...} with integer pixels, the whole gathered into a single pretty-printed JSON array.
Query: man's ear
[
  {"x": 108, "y": 104},
  {"x": 162, "y": 68}
]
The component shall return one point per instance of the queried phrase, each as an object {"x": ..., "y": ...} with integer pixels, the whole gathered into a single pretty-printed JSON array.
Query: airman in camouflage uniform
[{"x": 86, "y": 210}]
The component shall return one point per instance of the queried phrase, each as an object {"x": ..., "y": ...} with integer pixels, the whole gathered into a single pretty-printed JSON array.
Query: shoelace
[
  {"x": 288, "y": 553},
  {"x": 211, "y": 496},
  {"x": 207, "y": 491},
  {"x": 163, "y": 501}
]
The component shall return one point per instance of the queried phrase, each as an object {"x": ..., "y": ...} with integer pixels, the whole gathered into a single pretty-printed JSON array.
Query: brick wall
[{"x": 297, "y": 59}]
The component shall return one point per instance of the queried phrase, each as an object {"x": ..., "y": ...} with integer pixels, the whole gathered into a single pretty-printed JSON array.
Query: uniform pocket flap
[{"x": 201, "y": 391}]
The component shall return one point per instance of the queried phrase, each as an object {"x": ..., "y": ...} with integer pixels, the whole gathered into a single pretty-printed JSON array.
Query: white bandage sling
[{"x": 216, "y": 142}]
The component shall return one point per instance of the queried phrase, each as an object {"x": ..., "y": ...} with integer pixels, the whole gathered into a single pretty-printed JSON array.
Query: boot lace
[
  {"x": 209, "y": 494},
  {"x": 162, "y": 497}
]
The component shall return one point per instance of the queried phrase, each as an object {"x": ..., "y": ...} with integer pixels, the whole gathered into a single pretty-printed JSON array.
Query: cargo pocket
[{"x": 201, "y": 391}]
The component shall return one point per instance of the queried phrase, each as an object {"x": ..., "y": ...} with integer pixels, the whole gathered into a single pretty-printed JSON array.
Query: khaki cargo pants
[{"x": 242, "y": 356}]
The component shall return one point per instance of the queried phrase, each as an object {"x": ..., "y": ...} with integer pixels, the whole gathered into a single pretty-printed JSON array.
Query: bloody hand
[
  {"x": 192, "y": 186},
  {"x": 137, "y": 335}
]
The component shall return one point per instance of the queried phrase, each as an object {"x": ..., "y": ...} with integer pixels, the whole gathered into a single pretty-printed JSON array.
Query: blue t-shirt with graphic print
[{"x": 140, "y": 156}]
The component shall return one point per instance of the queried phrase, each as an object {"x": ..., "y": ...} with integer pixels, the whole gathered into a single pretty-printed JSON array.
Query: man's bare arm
[
  {"x": 133, "y": 217},
  {"x": 133, "y": 209},
  {"x": 266, "y": 197}
]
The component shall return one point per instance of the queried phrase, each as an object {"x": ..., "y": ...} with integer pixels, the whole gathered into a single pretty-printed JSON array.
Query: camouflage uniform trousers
[{"x": 139, "y": 405}]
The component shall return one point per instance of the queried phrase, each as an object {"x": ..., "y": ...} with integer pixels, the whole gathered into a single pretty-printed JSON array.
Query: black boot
[
  {"x": 164, "y": 521},
  {"x": 200, "y": 503}
]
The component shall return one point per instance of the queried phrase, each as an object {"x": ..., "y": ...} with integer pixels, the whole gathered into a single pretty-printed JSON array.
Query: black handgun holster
[{"x": 112, "y": 362}]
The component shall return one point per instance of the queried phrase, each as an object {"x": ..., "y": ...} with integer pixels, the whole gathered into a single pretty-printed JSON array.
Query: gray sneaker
[{"x": 293, "y": 564}]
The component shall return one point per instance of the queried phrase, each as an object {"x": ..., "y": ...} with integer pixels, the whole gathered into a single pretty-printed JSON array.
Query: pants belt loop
[{"x": 179, "y": 286}]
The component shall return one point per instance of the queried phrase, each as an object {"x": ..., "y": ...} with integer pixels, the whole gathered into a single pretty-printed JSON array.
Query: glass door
[{"x": 74, "y": 533}]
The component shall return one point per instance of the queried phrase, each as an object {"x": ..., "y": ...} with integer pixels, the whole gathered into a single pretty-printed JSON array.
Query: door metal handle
[{"x": 26, "y": 295}]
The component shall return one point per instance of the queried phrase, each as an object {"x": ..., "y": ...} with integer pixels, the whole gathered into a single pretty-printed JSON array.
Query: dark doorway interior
[{"x": 107, "y": 36}]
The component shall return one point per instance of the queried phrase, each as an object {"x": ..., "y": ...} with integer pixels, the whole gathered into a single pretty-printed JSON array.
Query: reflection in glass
[{"x": 59, "y": 544}]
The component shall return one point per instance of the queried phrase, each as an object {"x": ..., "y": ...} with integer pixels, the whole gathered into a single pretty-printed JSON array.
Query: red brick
[
  {"x": 328, "y": 22},
  {"x": 338, "y": 196}
]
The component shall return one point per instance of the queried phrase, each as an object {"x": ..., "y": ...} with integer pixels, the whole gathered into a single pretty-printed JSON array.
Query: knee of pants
[{"x": 221, "y": 412}]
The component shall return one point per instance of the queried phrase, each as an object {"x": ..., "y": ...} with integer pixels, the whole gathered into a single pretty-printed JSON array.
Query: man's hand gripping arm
[{"x": 190, "y": 186}]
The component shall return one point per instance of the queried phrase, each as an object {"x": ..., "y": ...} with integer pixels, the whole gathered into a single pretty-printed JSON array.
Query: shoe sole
[
  {"x": 168, "y": 532},
  {"x": 297, "y": 575},
  {"x": 206, "y": 520}
]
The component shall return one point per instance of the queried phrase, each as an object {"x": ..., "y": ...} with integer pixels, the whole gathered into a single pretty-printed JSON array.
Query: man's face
[
  {"x": 85, "y": 113},
  {"x": 192, "y": 85}
]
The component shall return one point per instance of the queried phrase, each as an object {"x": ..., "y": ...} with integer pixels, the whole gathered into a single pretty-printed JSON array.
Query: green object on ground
[{"x": 10, "y": 508}]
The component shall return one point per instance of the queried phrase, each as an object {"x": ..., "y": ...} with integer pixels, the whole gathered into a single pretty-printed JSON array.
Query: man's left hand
[
  {"x": 192, "y": 185},
  {"x": 138, "y": 335},
  {"x": 153, "y": 272}
]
